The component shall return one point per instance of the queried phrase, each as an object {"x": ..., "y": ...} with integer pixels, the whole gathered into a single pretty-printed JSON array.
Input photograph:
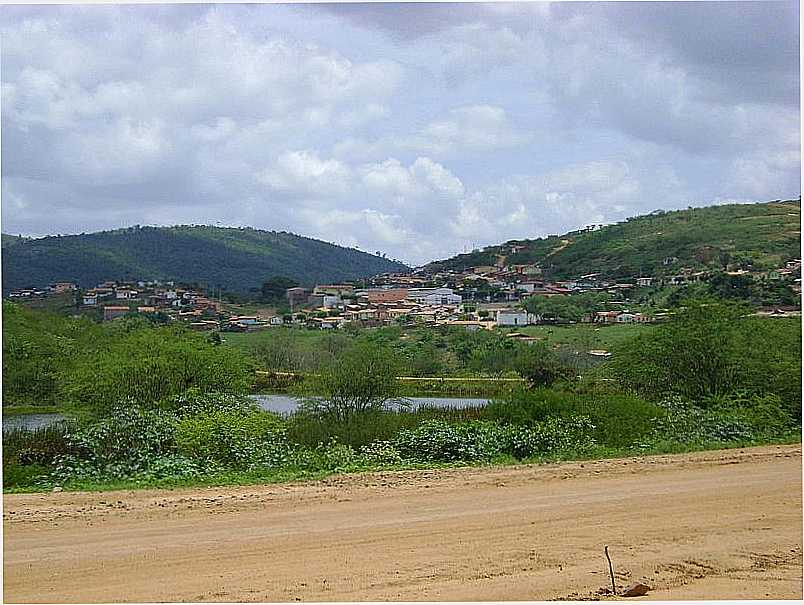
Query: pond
[
  {"x": 286, "y": 404},
  {"x": 30, "y": 421},
  {"x": 281, "y": 404}
]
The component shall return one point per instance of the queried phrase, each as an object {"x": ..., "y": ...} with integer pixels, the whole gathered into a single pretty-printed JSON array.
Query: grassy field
[{"x": 586, "y": 337}]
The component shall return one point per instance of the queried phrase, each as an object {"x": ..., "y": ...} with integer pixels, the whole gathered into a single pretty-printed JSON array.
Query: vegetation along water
[{"x": 149, "y": 404}]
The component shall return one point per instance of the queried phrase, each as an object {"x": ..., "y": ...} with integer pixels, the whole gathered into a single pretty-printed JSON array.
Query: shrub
[
  {"x": 541, "y": 366},
  {"x": 363, "y": 378},
  {"x": 436, "y": 440},
  {"x": 380, "y": 453},
  {"x": 41, "y": 446},
  {"x": 619, "y": 420},
  {"x": 126, "y": 442},
  {"x": 574, "y": 434},
  {"x": 232, "y": 438},
  {"x": 151, "y": 365}
]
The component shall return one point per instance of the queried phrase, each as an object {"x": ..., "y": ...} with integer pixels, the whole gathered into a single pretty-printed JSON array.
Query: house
[
  {"x": 515, "y": 317},
  {"x": 125, "y": 294},
  {"x": 113, "y": 312},
  {"x": 605, "y": 317},
  {"x": 335, "y": 290},
  {"x": 62, "y": 287},
  {"x": 644, "y": 282},
  {"x": 276, "y": 321},
  {"x": 90, "y": 298},
  {"x": 297, "y": 297},
  {"x": 386, "y": 295}
]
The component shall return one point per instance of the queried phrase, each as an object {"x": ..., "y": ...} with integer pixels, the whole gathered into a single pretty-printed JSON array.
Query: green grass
[
  {"x": 586, "y": 337},
  {"x": 16, "y": 410}
]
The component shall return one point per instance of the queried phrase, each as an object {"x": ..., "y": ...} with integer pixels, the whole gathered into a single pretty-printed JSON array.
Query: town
[{"x": 481, "y": 297}]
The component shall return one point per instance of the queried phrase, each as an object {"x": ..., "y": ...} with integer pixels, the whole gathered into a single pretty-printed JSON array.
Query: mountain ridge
[
  {"x": 236, "y": 258},
  {"x": 765, "y": 233}
]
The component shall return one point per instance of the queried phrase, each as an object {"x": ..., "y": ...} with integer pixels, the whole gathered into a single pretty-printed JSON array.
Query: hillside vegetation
[
  {"x": 235, "y": 258},
  {"x": 763, "y": 234}
]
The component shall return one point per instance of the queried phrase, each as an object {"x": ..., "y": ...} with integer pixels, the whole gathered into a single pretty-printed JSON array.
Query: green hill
[
  {"x": 234, "y": 258},
  {"x": 763, "y": 234}
]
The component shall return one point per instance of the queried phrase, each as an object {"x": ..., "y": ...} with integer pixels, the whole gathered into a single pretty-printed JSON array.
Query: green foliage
[
  {"x": 232, "y": 438},
  {"x": 741, "y": 418},
  {"x": 698, "y": 237},
  {"x": 712, "y": 349},
  {"x": 274, "y": 289},
  {"x": 42, "y": 446},
  {"x": 147, "y": 366},
  {"x": 38, "y": 350},
  {"x": 619, "y": 420},
  {"x": 127, "y": 441},
  {"x": 540, "y": 365},
  {"x": 362, "y": 378},
  {"x": 438, "y": 441},
  {"x": 216, "y": 256}
]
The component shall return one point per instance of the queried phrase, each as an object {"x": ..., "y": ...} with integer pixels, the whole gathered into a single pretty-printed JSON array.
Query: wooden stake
[{"x": 611, "y": 571}]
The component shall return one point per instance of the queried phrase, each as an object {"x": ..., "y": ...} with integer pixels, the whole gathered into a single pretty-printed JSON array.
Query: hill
[
  {"x": 764, "y": 234},
  {"x": 235, "y": 258}
]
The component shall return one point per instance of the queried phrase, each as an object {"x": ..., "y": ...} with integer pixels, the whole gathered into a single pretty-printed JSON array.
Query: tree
[
  {"x": 540, "y": 366},
  {"x": 275, "y": 288},
  {"x": 362, "y": 379},
  {"x": 713, "y": 349}
]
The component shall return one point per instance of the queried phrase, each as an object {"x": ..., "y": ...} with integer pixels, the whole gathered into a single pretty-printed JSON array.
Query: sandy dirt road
[{"x": 712, "y": 525}]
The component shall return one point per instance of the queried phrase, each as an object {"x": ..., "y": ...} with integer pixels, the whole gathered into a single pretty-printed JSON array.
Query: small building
[
  {"x": 90, "y": 298},
  {"x": 644, "y": 282},
  {"x": 515, "y": 318},
  {"x": 113, "y": 312},
  {"x": 62, "y": 287}
]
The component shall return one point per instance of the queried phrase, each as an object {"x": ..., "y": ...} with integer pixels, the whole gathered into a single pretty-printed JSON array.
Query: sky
[{"x": 417, "y": 130}]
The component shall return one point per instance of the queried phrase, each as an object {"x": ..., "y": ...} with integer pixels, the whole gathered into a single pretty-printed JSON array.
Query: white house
[
  {"x": 90, "y": 299},
  {"x": 515, "y": 318}
]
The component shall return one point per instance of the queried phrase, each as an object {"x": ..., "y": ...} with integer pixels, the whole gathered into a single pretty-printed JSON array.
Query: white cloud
[{"x": 303, "y": 172}]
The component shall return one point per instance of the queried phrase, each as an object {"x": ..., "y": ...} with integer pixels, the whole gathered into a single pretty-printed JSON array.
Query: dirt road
[{"x": 713, "y": 525}]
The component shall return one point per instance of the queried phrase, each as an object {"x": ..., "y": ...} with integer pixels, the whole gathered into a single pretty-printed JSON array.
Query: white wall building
[{"x": 515, "y": 318}]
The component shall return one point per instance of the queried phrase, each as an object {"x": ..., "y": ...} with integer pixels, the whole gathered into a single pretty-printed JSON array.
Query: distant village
[{"x": 482, "y": 297}]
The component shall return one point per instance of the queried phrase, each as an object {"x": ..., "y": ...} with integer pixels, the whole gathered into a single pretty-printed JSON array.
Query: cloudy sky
[{"x": 418, "y": 130}]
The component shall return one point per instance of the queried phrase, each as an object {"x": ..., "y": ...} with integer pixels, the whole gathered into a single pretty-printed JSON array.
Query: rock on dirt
[{"x": 635, "y": 590}]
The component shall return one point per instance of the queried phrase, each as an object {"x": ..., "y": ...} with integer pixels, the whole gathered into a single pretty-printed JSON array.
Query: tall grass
[
  {"x": 620, "y": 420},
  {"x": 374, "y": 425}
]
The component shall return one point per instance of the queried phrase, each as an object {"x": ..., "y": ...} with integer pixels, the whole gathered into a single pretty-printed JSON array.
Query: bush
[
  {"x": 574, "y": 434},
  {"x": 619, "y": 420},
  {"x": 232, "y": 438},
  {"x": 124, "y": 443},
  {"x": 439, "y": 441},
  {"x": 711, "y": 349},
  {"x": 540, "y": 365},
  {"x": 362, "y": 379},
  {"x": 42, "y": 446},
  {"x": 151, "y": 365}
]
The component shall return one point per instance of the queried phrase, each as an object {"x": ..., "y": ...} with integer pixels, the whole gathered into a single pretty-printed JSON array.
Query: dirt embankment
[{"x": 713, "y": 525}]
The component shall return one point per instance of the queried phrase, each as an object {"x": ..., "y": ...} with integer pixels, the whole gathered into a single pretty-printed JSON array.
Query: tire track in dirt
[{"x": 726, "y": 524}]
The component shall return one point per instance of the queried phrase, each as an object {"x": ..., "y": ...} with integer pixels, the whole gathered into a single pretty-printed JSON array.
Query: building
[
  {"x": 644, "y": 282},
  {"x": 297, "y": 297},
  {"x": 434, "y": 296},
  {"x": 112, "y": 312},
  {"x": 513, "y": 317},
  {"x": 386, "y": 295},
  {"x": 62, "y": 287}
]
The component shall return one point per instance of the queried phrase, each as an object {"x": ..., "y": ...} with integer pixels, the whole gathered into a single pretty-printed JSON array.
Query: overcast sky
[{"x": 418, "y": 130}]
